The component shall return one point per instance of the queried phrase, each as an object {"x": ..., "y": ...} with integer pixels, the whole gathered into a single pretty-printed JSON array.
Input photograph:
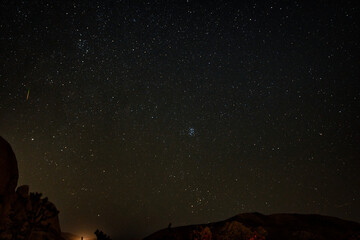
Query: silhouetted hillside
[{"x": 271, "y": 227}]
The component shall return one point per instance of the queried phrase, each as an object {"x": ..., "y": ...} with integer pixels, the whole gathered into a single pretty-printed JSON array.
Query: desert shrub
[
  {"x": 28, "y": 215},
  {"x": 201, "y": 234},
  {"x": 101, "y": 236},
  {"x": 236, "y": 230}
]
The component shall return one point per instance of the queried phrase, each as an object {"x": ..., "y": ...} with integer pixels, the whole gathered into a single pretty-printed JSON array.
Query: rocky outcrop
[
  {"x": 9, "y": 176},
  {"x": 23, "y": 215},
  {"x": 256, "y": 226}
]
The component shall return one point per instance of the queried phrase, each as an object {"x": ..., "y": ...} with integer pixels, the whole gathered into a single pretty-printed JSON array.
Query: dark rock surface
[
  {"x": 9, "y": 174},
  {"x": 23, "y": 215},
  {"x": 258, "y": 226}
]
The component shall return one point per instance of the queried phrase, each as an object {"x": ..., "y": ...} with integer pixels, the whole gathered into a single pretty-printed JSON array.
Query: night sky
[{"x": 129, "y": 115}]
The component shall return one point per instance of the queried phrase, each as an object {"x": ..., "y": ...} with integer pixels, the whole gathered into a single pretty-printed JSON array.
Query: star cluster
[{"x": 141, "y": 114}]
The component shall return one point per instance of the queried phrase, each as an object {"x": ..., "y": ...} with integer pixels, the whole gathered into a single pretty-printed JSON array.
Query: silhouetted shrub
[
  {"x": 236, "y": 230},
  {"x": 101, "y": 236},
  {"x": 28, "y": 215},
  {"x": 202, "y": 234}
]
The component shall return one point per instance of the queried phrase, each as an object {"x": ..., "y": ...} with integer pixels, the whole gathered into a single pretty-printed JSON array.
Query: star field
[{"x": 141, "y": 114}]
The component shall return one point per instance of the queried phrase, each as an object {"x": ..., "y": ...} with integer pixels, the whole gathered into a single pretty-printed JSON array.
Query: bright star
[{"x": 191, "y": 132}]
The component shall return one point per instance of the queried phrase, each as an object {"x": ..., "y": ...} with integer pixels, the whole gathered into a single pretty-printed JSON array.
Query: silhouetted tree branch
[{"x": 32, "y": 215}]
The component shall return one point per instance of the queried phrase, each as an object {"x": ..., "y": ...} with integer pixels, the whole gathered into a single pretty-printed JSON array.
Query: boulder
[
  {"x": 23, "y": 215},
  {"x": 9, "y": 173},
  {"x": 23, "y": 191},
  {"x": 9, "y": 176}
]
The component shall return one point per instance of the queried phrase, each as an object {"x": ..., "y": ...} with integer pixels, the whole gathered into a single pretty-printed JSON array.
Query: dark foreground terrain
[
  {"x": 25, "y": 215},
  {"x": 271, "y": 227}
]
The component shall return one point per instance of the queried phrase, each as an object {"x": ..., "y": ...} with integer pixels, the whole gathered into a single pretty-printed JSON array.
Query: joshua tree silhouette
[{"x": 32, "y": 216}]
